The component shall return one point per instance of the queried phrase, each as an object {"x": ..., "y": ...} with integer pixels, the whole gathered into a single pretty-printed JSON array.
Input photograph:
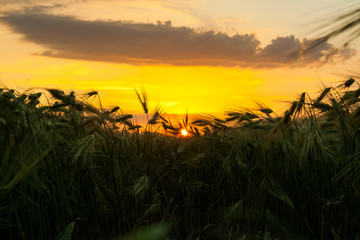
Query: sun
[{"x": 184, "y": 132}]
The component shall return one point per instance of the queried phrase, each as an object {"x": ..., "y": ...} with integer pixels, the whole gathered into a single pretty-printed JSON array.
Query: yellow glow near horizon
[{"x": 178, "y": 89}]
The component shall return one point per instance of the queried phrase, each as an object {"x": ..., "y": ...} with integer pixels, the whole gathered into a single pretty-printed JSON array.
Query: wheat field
[{"x": 71, "y": 169}]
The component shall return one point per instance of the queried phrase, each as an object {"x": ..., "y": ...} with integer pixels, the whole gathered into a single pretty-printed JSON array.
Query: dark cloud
[
  {"x": 161, "y": 43},
  {"x": 42, "y": 8}
]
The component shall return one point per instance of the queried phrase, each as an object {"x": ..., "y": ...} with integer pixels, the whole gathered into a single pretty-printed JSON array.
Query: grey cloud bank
[{"x": 161, "y": 43}]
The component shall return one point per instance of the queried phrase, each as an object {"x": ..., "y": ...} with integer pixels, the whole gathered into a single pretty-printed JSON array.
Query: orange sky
[{"x": 211, "y": 57}]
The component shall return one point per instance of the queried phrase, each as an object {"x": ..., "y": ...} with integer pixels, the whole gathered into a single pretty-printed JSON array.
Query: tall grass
[{"x": 70, "y": 168}]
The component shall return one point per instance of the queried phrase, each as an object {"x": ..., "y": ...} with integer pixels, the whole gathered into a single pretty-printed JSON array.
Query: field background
[{"x": 71, "y": 168}]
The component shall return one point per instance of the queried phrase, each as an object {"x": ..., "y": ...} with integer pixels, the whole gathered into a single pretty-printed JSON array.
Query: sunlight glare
[{"x": 184, "y": 132}]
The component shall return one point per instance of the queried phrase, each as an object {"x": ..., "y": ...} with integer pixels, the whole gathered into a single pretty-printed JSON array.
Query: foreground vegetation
[{"x": 70, "y": 168}]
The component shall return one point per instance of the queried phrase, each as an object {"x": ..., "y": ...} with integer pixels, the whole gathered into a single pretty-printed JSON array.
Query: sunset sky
[{"x": 199, "y": 56}]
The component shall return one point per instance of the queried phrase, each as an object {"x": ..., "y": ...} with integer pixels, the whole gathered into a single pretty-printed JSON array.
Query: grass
[{"x": 71, "y": 169}]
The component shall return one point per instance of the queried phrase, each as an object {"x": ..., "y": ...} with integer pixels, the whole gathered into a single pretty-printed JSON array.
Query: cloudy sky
[{"x": 195, "y": 56}]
